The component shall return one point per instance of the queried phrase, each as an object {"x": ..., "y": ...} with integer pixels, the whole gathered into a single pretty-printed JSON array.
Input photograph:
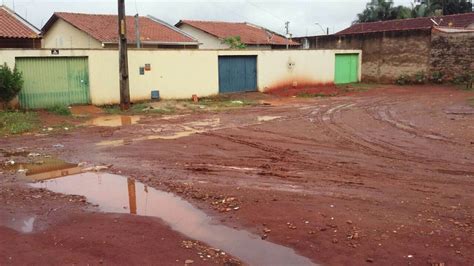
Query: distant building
[
  {"x": 74, "y": 30},
  {"x": 16, "y": 32},
  {"x": 211, "y": 35},
  {"x": 407, "y": 47}
]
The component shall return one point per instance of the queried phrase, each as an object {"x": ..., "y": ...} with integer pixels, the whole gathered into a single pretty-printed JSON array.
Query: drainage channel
[{"x": 118, "y": 194}]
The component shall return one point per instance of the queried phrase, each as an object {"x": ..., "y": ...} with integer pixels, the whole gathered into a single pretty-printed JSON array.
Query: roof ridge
[
  {"x": 213, "y": 21},
  {"x": 91, "y": 14}
]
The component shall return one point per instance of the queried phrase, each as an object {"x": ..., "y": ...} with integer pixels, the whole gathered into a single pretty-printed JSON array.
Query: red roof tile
[
  {"x": 104, "y": 28},
  {"x": 249, "y": 34},
  {"x": 459, "y": 20},
  {"x": 13, "y": 26}
]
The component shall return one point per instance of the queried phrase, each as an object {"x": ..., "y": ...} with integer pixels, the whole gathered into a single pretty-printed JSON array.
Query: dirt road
[{"x": 383, "y": 177}]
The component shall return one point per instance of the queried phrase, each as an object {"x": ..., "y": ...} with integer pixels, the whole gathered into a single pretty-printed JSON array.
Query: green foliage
[
  {"x": 234, "y": 42},
  {"x": 465, "y": 78},
  {"x": 11, "y": 82},
  {"x": 447, "y": 7},
  {"x": 17, "y": 122},
  {"x": 437, "y": 77},
  {"x": 313, "y": 95},
  {"x": 381, "y": 10},
  {"x": 60, "y": 110},
  {"x": 403, "y": 80},
  {"x": 419, "y": 78}
]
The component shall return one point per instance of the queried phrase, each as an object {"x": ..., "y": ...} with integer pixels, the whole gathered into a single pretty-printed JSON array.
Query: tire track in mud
[{"x": 373, "y": 145}]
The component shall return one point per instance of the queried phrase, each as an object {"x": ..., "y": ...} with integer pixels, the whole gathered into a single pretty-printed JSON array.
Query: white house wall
[
  {"x": 182, "y": 73},
  {"x": 207, "y": 40},
  {"x": 64, "y": 35}
]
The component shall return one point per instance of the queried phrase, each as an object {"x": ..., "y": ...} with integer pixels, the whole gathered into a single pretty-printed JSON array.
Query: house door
[
  {"x": 52, "y": 81},
  {"x": 347, "y": 68},
  {"x": 237, "y": 73}
]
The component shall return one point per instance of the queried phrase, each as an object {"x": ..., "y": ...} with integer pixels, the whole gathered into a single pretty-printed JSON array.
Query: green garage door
[
  {"x": 52, "y": 81},
  {"x": 237, "y": 73},
  {"x": 347, "y": 68}
]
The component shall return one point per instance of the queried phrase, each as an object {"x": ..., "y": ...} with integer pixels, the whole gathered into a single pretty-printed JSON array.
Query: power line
[{"x": 266, "y": 11}]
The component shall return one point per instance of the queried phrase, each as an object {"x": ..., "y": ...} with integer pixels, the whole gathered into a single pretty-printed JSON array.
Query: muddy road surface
[{"x": 378, "y": 177}]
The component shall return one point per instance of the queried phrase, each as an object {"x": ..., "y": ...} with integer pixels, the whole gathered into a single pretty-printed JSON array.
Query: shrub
[
  {"x": 234, "y": 42},
  {"x": 465, "y": 78},
  {"x": 60, "y": 110},
  {"x": 419, "y": 78},
  {"x": 403, "y": 80},
  {"x": 437, "y": 77},
  {"x": 11, "y": 82}
]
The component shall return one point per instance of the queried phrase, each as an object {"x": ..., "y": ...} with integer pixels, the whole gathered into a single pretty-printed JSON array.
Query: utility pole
[
  {"x": 287, "y": 27},
  {"x": 123, "y": 58},
  {"x": 137, "y": 30}
]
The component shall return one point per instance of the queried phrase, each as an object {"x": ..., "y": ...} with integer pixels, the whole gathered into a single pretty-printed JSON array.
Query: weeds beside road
[{"x": 18, "y": 122}]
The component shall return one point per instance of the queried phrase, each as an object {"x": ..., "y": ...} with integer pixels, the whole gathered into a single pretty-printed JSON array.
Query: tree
[
  {"x": 234, "y": 42},
  {"x": 11, "y": 82},
  {"x": 441, "y": 7},
  {"x": 380, "y": 10}
]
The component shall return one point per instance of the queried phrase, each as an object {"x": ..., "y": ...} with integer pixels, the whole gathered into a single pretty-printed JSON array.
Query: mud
[
  {"x": 382, "y": 176},
  {"x": 116, "y": 194}
]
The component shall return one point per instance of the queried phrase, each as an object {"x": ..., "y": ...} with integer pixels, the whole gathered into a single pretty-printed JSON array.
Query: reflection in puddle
[
  {"x": 121, "y": 195},
  {"x": 267, "y": 118},
  {"x": 184, "y": 130},
  {"x": 20, "y": 224},
  {"x": 46, "y": 169},
  {"x": 114, "y": 121}
]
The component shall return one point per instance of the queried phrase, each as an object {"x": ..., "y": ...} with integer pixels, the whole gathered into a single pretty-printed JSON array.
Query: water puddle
[
  {"x": 169, "y": 133},
  {"x": 267, "y": 118},
  {"x": 114, "y": 121},
  {"x": 118, "y": 194},
  {"x": 47, "y": 168},
  {"x": 22, "y": 224}
]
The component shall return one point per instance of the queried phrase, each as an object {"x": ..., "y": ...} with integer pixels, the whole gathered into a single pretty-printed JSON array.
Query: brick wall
[
  {"x": 385, "y": 55},
  {"x": 452, "y": 53}
]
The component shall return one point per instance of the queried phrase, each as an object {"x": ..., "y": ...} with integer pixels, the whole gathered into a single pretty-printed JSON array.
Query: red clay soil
[
  {"x": 382, "y": 177},
  {"x": 306, "y": 90}
]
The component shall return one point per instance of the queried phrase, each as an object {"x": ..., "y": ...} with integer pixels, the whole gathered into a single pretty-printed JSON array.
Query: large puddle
[
  {"x": 114, "y": 120},
  {"x": 118, "y": 194}
]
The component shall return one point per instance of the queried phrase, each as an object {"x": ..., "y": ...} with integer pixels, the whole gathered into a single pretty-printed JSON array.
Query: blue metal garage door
[{"x": 237, "y": 73}]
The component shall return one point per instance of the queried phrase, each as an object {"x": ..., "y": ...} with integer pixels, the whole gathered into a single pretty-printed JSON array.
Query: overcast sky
[{"x": 302, "y": 14}]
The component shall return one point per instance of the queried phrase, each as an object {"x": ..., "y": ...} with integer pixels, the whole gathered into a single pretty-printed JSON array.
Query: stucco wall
[
  {"x": 452, "y": 53},
  {"x": 387, "y": 55},
  {"x": 64, "y": 35},
  {"x": 182, "y": 73},
  {"x": 207, "y": 40}
]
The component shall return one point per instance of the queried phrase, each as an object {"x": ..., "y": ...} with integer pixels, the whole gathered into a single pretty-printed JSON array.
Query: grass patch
[
  {"x": 18, "y": 122},
  {"x": 313, "y": 95},
  {"x": 59, "y": 110},
  {"x": 358, "y": 87}
]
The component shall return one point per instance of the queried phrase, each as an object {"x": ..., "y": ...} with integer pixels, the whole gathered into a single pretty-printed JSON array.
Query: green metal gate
[
  {"x": 52, "y": 81},
  {"x": 347, "y": 68}
]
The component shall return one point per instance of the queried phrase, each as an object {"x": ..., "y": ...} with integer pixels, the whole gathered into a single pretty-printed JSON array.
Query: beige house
[
  {"x": 211, "y": 35},
  {"x": 90, "y": 31}
]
